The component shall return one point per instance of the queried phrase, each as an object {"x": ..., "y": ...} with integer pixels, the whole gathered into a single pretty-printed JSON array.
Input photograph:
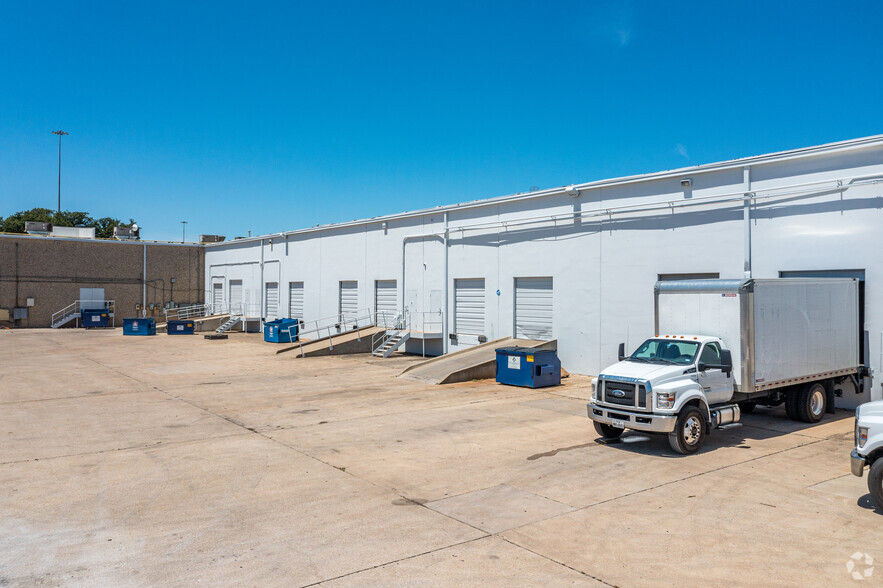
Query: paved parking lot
[{"x": 177, "y": 461}]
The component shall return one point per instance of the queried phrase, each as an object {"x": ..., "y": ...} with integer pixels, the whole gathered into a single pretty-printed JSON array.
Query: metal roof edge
[
  {"x": 97, "y": 240},
  {"x": 775, "y": 157}
]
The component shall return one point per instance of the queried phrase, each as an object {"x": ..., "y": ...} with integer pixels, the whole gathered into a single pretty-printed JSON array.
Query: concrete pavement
[{"x": 176, "y": 460}]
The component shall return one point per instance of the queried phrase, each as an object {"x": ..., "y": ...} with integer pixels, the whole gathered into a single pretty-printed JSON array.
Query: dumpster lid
[{"x": 523, "y": 350}]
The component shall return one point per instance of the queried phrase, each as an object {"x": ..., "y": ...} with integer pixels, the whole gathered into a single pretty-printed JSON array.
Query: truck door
[{"x": 718, "y": 387}]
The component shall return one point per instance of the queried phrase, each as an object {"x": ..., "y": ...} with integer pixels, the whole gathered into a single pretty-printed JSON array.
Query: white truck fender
[{"x": 688, "y": 397}]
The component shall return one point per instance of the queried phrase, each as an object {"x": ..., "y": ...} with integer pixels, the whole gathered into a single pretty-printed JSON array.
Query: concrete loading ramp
[
  {"x": 475, "y": 363},
  {"x": 354, "y": 341}
]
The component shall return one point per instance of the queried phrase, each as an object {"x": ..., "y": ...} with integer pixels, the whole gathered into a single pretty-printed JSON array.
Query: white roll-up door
[
  {"x": 469, "y": 306},
  {"x": 236, "y": 296},
  {"x": 217, "y": 297},
  {"x": 296, "y": 300},
  {"x": 385, "y": 301},
  {"x": 533, "y": 308},
  {"x": 271, "y": 306},
  {"x": 349, "y": 298}
]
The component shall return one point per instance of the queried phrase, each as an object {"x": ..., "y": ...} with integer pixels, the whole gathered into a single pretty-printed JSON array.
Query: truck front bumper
[
  {"x": 857, "y": 463},
  {"x": 640, "y": 421}
]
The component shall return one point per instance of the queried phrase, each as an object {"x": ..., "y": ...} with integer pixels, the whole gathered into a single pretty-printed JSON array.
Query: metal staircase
[
  {"x": 229, "y": 323},
  {"x": 386, "y": 342},
  {"x": 66, "y": 315},
  {"x": 75, "y": 310}
]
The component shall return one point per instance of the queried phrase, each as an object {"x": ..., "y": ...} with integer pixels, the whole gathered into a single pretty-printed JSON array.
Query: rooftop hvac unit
[
  {"x": 211, "y": 238},
  {"x": 125, "y": 233},
  {"x": 37, "y": 228}
]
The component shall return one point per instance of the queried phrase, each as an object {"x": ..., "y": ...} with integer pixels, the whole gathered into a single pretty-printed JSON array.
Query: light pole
[
  {"x": 183, "y": 229},
  {"x": 60, "y": 134}
]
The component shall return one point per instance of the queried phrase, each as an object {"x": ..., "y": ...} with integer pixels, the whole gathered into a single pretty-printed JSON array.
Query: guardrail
[{"x": 334, "y": 325}]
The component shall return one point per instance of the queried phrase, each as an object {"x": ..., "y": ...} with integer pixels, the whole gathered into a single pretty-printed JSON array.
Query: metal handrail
[
  {"x": 69, "y": 310},
  {"x": 187, "y": 312},
  {"x": 399, "y": 324},
  {"x": 337, "y": 324},
  {"x": 76, "y": 309}
]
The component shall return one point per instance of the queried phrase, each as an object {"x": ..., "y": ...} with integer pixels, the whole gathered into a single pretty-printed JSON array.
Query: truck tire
[
  {"x": 875, "y": 483},
  {"x": 811, "y": 402},
  {"x": 607, "y": 431},
  {"x": 689, "y": 431},
  {"x": 791, "y": 404}
]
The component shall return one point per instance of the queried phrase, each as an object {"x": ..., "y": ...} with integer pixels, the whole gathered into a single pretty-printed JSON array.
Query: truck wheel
[
  {"x": 689, "y": 431},
  {"x": 791, "y": 404},
  {"x": 607, "y": 431},
  {"x": 811, "y": 402},
  {"x": 747, "y": 406},
  {"x": 875, "y": 483}
]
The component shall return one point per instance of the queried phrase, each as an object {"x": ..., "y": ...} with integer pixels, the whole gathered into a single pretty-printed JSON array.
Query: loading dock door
[
  {"x": 533, "y": 308},
  {"x": 217, "y": 297},
  {"x": 349, "y": 298},
  {"x": 271, "y": 306},
  {"x": 469, "y": 306},
  {"x": 385, "y": 301},
  {"x": 91, "y": 298},
  {"x": 236, "y": 296},
  {"x": 296, "y": 300}
]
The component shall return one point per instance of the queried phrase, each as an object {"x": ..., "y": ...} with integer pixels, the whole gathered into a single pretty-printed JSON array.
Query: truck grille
[
  {"x": 622, "y": 393},
  {"x": 625, "y": 394}
]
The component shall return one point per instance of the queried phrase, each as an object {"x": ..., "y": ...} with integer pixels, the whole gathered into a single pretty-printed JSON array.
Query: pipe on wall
[
  {"x": 144, "y": 283},
  {"x": 445, "y": 327},
  {"x": 746, "y": 216}
]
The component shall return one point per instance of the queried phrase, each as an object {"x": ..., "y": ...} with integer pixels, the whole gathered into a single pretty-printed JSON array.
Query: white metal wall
[
  {"x": 533, "y": 308},
  {"x": 603, "y": 265}
]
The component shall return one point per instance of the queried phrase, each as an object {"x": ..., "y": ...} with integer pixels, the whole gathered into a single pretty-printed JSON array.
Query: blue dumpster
[
  {"x": 281, "y": 331},
  {"x": 523, "y": 366},
  {"x": 94, "y": 318},
  {"x": 179, "y": 327},
  {"x": 139, "y": 326}
]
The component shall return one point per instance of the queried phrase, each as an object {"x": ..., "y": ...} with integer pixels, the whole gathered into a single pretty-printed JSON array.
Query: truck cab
[
  {"x": 868, "y": 450},
  {"x": 674, "y": 384}
]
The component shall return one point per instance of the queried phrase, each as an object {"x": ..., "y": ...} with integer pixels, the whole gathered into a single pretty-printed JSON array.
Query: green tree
[{"x": 15, "y": 223}]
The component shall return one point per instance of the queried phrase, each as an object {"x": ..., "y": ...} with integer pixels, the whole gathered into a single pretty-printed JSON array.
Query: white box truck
[{"x": 724, "y": 346}]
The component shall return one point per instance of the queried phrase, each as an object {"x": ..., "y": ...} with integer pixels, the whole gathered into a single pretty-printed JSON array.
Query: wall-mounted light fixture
[
  {"x": 687, "y": 183},
  {"x": 571, "y": 191}
]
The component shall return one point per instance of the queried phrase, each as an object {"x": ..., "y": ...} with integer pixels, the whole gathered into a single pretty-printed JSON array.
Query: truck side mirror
[
  {"x": 726, "y": 361},
  {"x": 621, "y": 351},
  {"x": 701, "y": 366}
]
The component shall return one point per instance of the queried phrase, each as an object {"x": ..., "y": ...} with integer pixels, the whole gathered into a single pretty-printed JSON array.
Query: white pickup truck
[
  {"x": 724, "y": 346},
  {"x": 869, "y": 448}
]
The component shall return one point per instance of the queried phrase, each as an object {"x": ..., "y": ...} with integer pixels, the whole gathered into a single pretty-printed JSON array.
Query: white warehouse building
[{"x": 578, "y": 263}]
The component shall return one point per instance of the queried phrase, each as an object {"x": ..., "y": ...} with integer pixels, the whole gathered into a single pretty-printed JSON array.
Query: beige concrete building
[{"x": 43, "y": 275}]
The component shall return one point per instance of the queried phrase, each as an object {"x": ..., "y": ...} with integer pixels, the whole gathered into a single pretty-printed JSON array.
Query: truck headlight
[
  {"x": 665, "y": 399},
  {"x": 595, "y": 387},
  {"x": 861, "y": 437}
]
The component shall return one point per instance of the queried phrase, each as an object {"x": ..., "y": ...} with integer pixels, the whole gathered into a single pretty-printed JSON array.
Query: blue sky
[{"x": 266, "y": 117}]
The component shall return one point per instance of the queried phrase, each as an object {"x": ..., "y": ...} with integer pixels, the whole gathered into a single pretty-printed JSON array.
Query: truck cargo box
[{"x": 781, "y": 331}]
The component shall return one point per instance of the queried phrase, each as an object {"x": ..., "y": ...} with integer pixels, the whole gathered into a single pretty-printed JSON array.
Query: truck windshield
[{"x": 665, "y": 351}]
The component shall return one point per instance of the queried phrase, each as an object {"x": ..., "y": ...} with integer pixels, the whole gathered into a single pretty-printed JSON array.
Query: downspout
[
  {"x": 261, "y": 289},
  {"x": 746, "y": 216},
  {"x": 445, "y": 312},
  {"x": 144, "y": 282}
]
